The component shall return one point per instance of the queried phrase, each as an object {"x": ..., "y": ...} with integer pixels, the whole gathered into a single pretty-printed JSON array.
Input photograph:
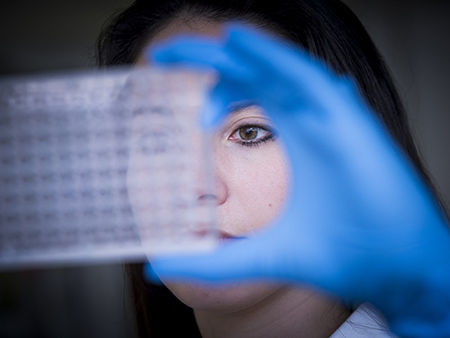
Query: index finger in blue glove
[{"x": 250, "y": 58}]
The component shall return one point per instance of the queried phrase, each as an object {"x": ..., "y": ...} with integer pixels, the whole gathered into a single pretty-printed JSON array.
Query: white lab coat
[{"x": 364, "y": 322}]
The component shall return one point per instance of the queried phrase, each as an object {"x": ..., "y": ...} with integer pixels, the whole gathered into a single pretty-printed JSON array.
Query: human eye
[{"x": 250, "y": 135}]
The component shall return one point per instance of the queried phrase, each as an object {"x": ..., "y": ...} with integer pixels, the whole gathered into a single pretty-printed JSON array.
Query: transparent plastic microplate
[{"x": 103, "y": 166}]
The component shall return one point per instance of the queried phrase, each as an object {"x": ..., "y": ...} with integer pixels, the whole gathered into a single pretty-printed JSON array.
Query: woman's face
[{"x": 251, "y": 185}]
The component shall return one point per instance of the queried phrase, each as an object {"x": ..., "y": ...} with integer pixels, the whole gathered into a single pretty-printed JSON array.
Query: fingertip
[
  {"x": 211, "y": 115},
  {"x": 157, "y": 54},
  {"x": 149, "y": 55},
  {"x": 238, "y": 27},
  {"x": 150, "y": 274}
]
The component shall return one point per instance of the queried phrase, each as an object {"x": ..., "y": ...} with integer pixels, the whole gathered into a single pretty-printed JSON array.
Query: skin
[{"x": 252, "y": 182}]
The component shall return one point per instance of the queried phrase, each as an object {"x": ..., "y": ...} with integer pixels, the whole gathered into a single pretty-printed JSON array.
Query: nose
[{"x": 219, "y": 195}]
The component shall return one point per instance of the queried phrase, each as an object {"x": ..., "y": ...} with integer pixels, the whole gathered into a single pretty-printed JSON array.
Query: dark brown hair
[{"x": 326, "y": 28}]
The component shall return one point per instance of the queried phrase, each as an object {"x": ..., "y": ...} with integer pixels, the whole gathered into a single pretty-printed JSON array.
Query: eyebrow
[
  {"x": 237, "y": 107},
  {"x": 233, "y": 108}
]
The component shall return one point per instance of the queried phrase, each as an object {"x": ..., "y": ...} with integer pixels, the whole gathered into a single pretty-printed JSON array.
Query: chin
[{"x": 222, "y": 299}]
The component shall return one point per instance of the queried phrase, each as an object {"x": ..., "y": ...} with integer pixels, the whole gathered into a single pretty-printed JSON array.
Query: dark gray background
[{"x": 45, "y": 35}]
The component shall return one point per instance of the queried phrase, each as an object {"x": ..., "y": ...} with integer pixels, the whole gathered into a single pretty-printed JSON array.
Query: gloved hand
[{"x": 360, "y": 221}]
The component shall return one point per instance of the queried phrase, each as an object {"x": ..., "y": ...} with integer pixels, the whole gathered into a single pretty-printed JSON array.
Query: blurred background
[{"x": 38, "y": 36}]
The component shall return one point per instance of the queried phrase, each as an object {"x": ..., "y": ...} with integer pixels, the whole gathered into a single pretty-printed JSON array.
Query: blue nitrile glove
[{"x": 360, "y": 221}]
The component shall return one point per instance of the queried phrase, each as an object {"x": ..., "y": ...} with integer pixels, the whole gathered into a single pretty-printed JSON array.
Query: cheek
[
  {"x": 263, "y": 185},
  {"x": 258, "y": 184}
]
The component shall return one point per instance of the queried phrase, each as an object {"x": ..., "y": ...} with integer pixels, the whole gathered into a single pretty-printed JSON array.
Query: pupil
[{"x": 248, "y": 133}]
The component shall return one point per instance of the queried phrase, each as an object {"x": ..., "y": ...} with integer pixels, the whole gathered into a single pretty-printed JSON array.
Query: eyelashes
[{"x": 251, "y": 135}]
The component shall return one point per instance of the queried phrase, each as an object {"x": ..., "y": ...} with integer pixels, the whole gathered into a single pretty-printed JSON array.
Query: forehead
[{"x": 188, "y": 26}]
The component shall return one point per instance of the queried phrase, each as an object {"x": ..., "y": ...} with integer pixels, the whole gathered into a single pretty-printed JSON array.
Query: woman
[{"x": 246, "y": 153}]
